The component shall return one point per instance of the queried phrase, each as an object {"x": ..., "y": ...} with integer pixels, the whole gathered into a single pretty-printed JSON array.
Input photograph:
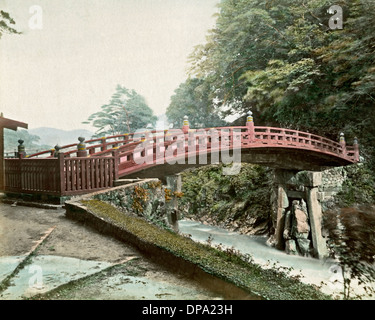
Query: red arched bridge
[{"x": 96, "y": 164}]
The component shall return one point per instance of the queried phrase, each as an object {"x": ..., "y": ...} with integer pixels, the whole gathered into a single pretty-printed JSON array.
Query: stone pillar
[
  {"x": 315, "y": 215},
  {"x": 174, "y": 184},
  {"x": 282, "y": 204}
]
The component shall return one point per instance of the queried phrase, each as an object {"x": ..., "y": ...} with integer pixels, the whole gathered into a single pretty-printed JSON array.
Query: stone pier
[
  {"x": 299, "y": 199},
  {"x": 174, "y": 184}
]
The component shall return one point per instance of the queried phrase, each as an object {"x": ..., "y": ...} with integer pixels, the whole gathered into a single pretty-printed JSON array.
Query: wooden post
[
  {"x": 21, "y": 149},
  {"x": 343, "y": 143},
  {"x": 61, "y": 173},
  {"x": 115, "y": 154},
  {"x": 250, "y": 126},
  {"x": 104, "y": 146},
  {"x": 12, "y": 125},
  {"x": 57, "y": 151},
  {"x": 81, "y": 147},
  {"x": 185, "y": 127},
  {"x": 126, "y": 138},
  {"x": 2, "y": 168},
  {"x": 356, "y": 150}
]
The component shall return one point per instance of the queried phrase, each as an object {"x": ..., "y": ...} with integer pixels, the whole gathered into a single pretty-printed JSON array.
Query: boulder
[
  {"x": 301, "y": 227},
  {"x": 290, "y": 247},
  {"x": 288, "y": 226},
  {"x": 304, "y": 246},
  {"x": 301, "y": 219}
]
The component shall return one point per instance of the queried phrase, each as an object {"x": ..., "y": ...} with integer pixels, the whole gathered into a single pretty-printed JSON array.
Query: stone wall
[{"x": 146, "y": 198}]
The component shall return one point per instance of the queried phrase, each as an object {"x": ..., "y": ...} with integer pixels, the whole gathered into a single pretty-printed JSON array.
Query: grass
[{"x": 269, "y": 284}]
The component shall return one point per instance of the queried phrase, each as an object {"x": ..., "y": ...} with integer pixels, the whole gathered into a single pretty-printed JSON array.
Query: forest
[{"x": 287, "y": 63}]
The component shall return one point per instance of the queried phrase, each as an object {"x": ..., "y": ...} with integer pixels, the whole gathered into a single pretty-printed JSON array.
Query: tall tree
[
  {"x": 126, "y": 112},
  {"x": 283, "y": 59},
  {"x": 191, "y": 98}
]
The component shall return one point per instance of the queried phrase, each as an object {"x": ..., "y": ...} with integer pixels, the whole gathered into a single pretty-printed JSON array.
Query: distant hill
[{"x": 51, "y": 136}]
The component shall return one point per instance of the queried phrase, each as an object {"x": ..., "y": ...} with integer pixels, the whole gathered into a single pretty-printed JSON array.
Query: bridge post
[
  {"x": 174, "y": 183},
  {"x": 81, "y": 147},
  {"x": 250, "y": 126},
  {"x": 21, "y": 149},
  {"x": 356, "y": 149},
  {"x": 185, "y": 127},
  {"x": 61, "y": 178},
  {"x": 126, "y": 138},
  {"x": 115, "y": 155},
  {"x": 343, "y": 143},
  {"x": 57, "y": 151},
  {"x": 104, "y": 146}
]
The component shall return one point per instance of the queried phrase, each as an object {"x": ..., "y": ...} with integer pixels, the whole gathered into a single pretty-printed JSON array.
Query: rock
[
  {"x": 301, "y": 218},
  {"x": 290, "y": 247},
  {"x": 301, "y": 227},
  {"x": 304, "y": 246},
  {"x": 271, "y": 241},
  {"x": 287, "y": 226}
]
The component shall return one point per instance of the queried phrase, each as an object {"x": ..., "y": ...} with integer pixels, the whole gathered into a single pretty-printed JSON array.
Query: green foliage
[
  {"x": 5, "y": 22},
  {"x": 227, "y": 197},
  {"x": 358, "y": 187},
  {"x": 351, "y": 239},
  {"x": 191, "y": 98},
  {"x": 30, "y": 141},
  {"x": 282, "y": 59},
  {"x": 126, "y": 112}
]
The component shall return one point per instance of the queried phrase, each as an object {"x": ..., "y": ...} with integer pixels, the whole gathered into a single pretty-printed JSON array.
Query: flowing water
[{"x": 311, "y": 270}]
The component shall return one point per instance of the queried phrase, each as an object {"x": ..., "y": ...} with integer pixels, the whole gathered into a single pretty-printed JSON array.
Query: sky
[{"x": 72, "y": 54}]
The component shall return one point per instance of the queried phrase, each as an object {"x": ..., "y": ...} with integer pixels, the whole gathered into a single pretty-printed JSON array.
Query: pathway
[{"x": 71, "y": 252}]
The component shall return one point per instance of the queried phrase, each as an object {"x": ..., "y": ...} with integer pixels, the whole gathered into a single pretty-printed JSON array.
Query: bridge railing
[
  {"x": 60, "y": 176},
  {"x": 93, "y": 146},
  {"x": 95, "y": 164},
  {"x": 251, "y": 136}
]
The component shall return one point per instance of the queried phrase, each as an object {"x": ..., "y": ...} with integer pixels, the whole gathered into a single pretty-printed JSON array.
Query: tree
[
  {"x": 283, "y": 59},
  {"x": 351, "y": 239},
  {"x": 248, "y": 33},
  {"x": 126, "y": 112},
  {"x": 5, "y": 21},
  {"x": 30, "y": 141},
  {"x": 191, "y": 98}
]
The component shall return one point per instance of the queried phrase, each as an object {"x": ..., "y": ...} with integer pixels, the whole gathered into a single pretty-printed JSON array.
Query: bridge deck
[{"x": 95, "y": 164}]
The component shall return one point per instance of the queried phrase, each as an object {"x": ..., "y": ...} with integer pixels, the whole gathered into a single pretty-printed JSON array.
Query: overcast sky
[{"x": 59, "y": 75}]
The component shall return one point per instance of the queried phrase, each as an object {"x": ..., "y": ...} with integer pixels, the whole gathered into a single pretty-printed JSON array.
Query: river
[{"x": 325, "y": 273}]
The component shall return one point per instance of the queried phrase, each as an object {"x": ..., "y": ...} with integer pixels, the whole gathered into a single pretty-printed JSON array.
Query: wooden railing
[
  {"x": 60, "y": 176},
  {"x": 95, "y": 164}
]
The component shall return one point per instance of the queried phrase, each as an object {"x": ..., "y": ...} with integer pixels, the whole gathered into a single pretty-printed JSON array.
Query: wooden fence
[{"x": 60, "y": 176}]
